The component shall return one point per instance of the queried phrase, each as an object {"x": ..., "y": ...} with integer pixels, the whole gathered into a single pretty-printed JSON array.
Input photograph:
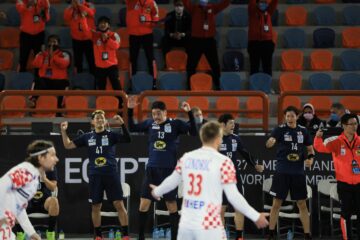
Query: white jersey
[
  {"x": 203, "y": 171},
  {"x": 17, "y": 187}
]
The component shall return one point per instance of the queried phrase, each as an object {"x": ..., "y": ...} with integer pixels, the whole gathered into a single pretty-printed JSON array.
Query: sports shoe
[
  {"x": 50, "y": 235},
  {"x": 98, "y": 238},
  {"x": 20, "y": 236},
  {"x": 125, "y": 238}
]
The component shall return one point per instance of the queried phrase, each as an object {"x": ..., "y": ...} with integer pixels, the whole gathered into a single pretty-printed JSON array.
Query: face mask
[
  {"x": 308, "y": 116},
  {"x": 203, "y": 3},
  {"x": 263, "y": 6},
  {"x": 334, "y": 117},
  {"x": 199, "y": 120},
  {"x": 179, "y": 9},
  {"x": 55, "y": 47}
]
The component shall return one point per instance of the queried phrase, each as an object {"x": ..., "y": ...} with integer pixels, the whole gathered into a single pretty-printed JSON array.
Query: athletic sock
[
  {"x": 125, "y": 230},
  {"x": 142, "y": 223},
  {"x": 52, "y": 223},
  {"x": 174, "y": 223},
  {"x": 239, "y": 234}
]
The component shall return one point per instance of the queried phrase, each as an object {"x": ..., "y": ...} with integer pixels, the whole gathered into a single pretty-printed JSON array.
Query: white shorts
[{"x": 190, "y": 234}]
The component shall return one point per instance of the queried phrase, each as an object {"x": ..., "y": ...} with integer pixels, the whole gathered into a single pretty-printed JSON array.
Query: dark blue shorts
[
  {"x": 240, "y": 187},
  {"x": 108, "y": 183},
  {"x": 155, "y": 176},
  {"x": 284, "y": 183},
  {"x": 36, "y": 204}
]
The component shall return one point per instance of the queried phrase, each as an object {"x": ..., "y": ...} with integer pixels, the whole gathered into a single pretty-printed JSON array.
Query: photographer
[
  {"x": 81, "y": 42},
  {"x": 33, "y": 16},
  {"x": 52, "y": 63}
]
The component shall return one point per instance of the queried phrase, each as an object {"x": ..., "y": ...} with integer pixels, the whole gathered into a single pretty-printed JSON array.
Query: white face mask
[
  {"x": 179, "y": 9},
  {"x": 199, "y": 120}
]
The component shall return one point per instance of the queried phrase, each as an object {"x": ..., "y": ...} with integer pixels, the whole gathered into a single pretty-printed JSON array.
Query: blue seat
[
  {"x": 294, "y": 38},
  {"x": 351, "y": 15},
  {"x": 237, "y": 38},
  {"x": 53, "y": 17},
  {"x": 158, "y": 35},
  {"x": 260, "y": 82},
  {"x": 238, "y": 17},
  {"x": 275, "y": 18},
  {"x": 324, "y": 38},
  {"x": 21, "y": 81},
  {"x": 142, "y": 64},
  {"x": 231, "y": 81},
  {"x": 82, "y": 81},
  {"x": 172, "y": 81},
  {"x": 350, "y": 60},
  {"x": 320, "y": 81},
  {"x": 296, "y": 1},
  {"x": 325, "y": 16},
  {"x": 141, "y": 81},
  {"x": 219, "y": 19},
  {"x": 13, "y": 17},
  {"x": 122, "y": 17},
  {"x": 350, "y": 81},
  {"x": 65, "y": 37},
  {"x": 233, "y": 61},
  {"x": 103, "y": 11},
  {"x": 2, "y": 82}
]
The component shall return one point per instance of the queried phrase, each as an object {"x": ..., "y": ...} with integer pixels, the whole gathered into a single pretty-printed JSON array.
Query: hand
[
  {"x": 319, "y": 133},
  {"x": 118, "y": 119},
  {"x": 104, "y": 36},
  {"x": 262, "y": 222},
  {"x": 186, "y": 106},
  {"x": 177, "y": 36},
  {"x": 259, "y": 168},
  {"x": 2, "y": 14},
  {"x": 132, "y": 102},
  {"x": 152, "y": 192},
  {"x": 270, "y": 142},
  {"x": 35, "y": 236},
  {"x": 309, "y": 162},
  {"x": 64, "y": 126}
]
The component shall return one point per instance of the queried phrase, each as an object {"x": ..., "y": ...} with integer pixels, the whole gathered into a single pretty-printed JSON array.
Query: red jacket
[
  {"x": 257, "y": 20},
  {"x": 73, "y": 17},
  {"x": 136, "y": 8},
  {"x": 343, "y": 152},
  {"x": 200, "y": 14},
  {"x": 33, "y": 19},
  {"x": 56, "y": 68}
]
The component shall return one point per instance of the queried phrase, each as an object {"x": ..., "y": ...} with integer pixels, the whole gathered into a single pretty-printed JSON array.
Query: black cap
[{"x": 103, "y": 19}]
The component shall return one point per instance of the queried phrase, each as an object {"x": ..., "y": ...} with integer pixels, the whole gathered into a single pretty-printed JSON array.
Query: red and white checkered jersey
[
  {"x": 17, "y": 187},
  {"x": 203, "y": 172}
]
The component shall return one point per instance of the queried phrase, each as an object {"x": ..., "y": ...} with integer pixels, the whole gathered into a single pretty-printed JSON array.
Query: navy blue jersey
[
  {"x": 291, "y": 149},
  {"x": 232, "y": 145},
  {"x": 42, "y": 191},
  {"x": 102, "y": 149},
  {"x": 163, "y": 139}
]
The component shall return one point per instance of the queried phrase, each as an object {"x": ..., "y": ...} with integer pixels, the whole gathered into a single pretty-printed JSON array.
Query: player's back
[{"x": 202, "y": 172}]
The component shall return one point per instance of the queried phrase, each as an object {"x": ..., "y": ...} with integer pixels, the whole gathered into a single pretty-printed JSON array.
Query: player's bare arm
[
  {"x": 68, "y": 144},
  {"x": 270, "y": 142}
]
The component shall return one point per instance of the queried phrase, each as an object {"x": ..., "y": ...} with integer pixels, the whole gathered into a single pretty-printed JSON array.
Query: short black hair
[
  {"x": 103, "y": 19},
  {"x": 158, "y": 105},
  {"x": 291, "y": 109},
  {"x": 338, "y": 106},
  {"x": 345, "y": 118},
  {"x": 224, "y": 118},
  {"x": 54, "y": 36}
]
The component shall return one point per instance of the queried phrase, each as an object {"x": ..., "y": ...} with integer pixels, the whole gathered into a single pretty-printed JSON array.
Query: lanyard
[
  {"x": 142, "y": 5},
  {"x": 351, "y": 147}
]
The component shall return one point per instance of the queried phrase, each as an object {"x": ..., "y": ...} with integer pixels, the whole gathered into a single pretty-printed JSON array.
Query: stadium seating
[
  {"x": 201, "y": 102},
  {"x": 351, "y": 103},
  {"x": 291, "y": 101},
  {"x": 107, "y": 103},
  {"x": 321, "y": 60},
  {"x": 351, "y": 15},
  {"x": 260, "y": 82},
  {"x": 21, "y": 81},
  {"x": 320, "y": 81},
  {"x": 350, "y": 60},
  {"x": 236, "y": 39},
  {"x": 123, "y": 60},
  {"x": 324, "y": 16},
  {"x": 238, "y": 17},
  {"x": 322, "y": 105},
  {"x": 228, "y": 104},
  {"x": 233, "y": 61},
  {"x": 172, "y": 103},
  {"x": 83, "y": 81},
  {"x": 351, "y": 37},
  {"x": 324, "y": 38},
  {"x": 203, "y": 64},
  {"x": 294, "y": 38},
  {"x": 6, "y": 59},
  {"x": 292, "y": 60},
  {"x": 102, "y": 11},
  {"x": 13, "y": 17},
  {"x": 201, "y": 82},
  {"x": 141, "y": 81},
  {"x": 176, "y": 60},
  {"x": 172, "y": 81},
  {"x": 13, "y": 102},
  {"x": 231, "y": 81},
  {"x": 46, "y": 102},
  {"x": 295, "y": 16},
  {"x": 254, "y": 103},
  {"x": 124, "y": 36},
  {"x": 350, "y": 81},
  {"x": 76, "y": 102},
  {"x": 9, "y": 37},
  {"x": 290, "y": 81}
]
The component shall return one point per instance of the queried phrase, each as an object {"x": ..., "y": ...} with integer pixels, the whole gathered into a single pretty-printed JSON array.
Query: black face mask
[
  {"x": 55, "y": 47},
  {"x": 103, "y": 31}
]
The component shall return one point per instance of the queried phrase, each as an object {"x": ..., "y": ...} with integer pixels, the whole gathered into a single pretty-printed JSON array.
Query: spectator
[
  {"x": 140, "y": 19},
  {"x": 81, "y": 42},
  {"x": 309, "y": 119},
  {"x": 177, "y": 28},
  {"x": 337, "y": 110},
  {"x": 199, "y": 118},
  {"x": 260, "y": 35},
  {"x": 346, "y": 157},
  {"x": 203, "y": 36},
  {"x": 105, "y": 45},
  {"x": 53, "y": 64},
  {"x": 33, "y": 15}
]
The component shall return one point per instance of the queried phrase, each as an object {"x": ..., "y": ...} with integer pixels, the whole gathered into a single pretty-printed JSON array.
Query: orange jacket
[
  {"x": 73, "y": 17},
  {"x": 137, "y": 8},
  {"x": 33, "y": 19},
  {"x": 56, "y": 68},
  {"x": 343, "y": 153}
]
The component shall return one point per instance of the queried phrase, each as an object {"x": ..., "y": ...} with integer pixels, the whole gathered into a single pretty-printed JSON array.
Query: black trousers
[
  {"x": 29, "y": 42},
  {"x": 81, "y": 48},
  {"x": 207, "y": 46},
  {"x": 101, "y": 75},
  {"x": 135, "y": 43},
  {"x": 261, "y": 51},
  {"x": 168, "y": 43},
  {"x": 349, "y": 196},
  {"x": 52, "y": 84}
]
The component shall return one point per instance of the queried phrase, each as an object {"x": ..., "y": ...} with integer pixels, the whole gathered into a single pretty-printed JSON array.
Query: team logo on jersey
[
  {"x": 293, "y": 157},
  {"x": 234, "y": 147},
  {"x": 167, "y": 128},
  {"x": 159, "y": 145},
  {"x": 38, "y": 195},
  {"x": 104, "y": 141},
  {"x": 155, "y": 126},
  {"x": 287, "y": 138},
  {"x": 300, "y": 138},
  {"x": 92, "y": 142},
  {"x": 100, "y": 161},
  {"x": 222, "y": 147}
]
